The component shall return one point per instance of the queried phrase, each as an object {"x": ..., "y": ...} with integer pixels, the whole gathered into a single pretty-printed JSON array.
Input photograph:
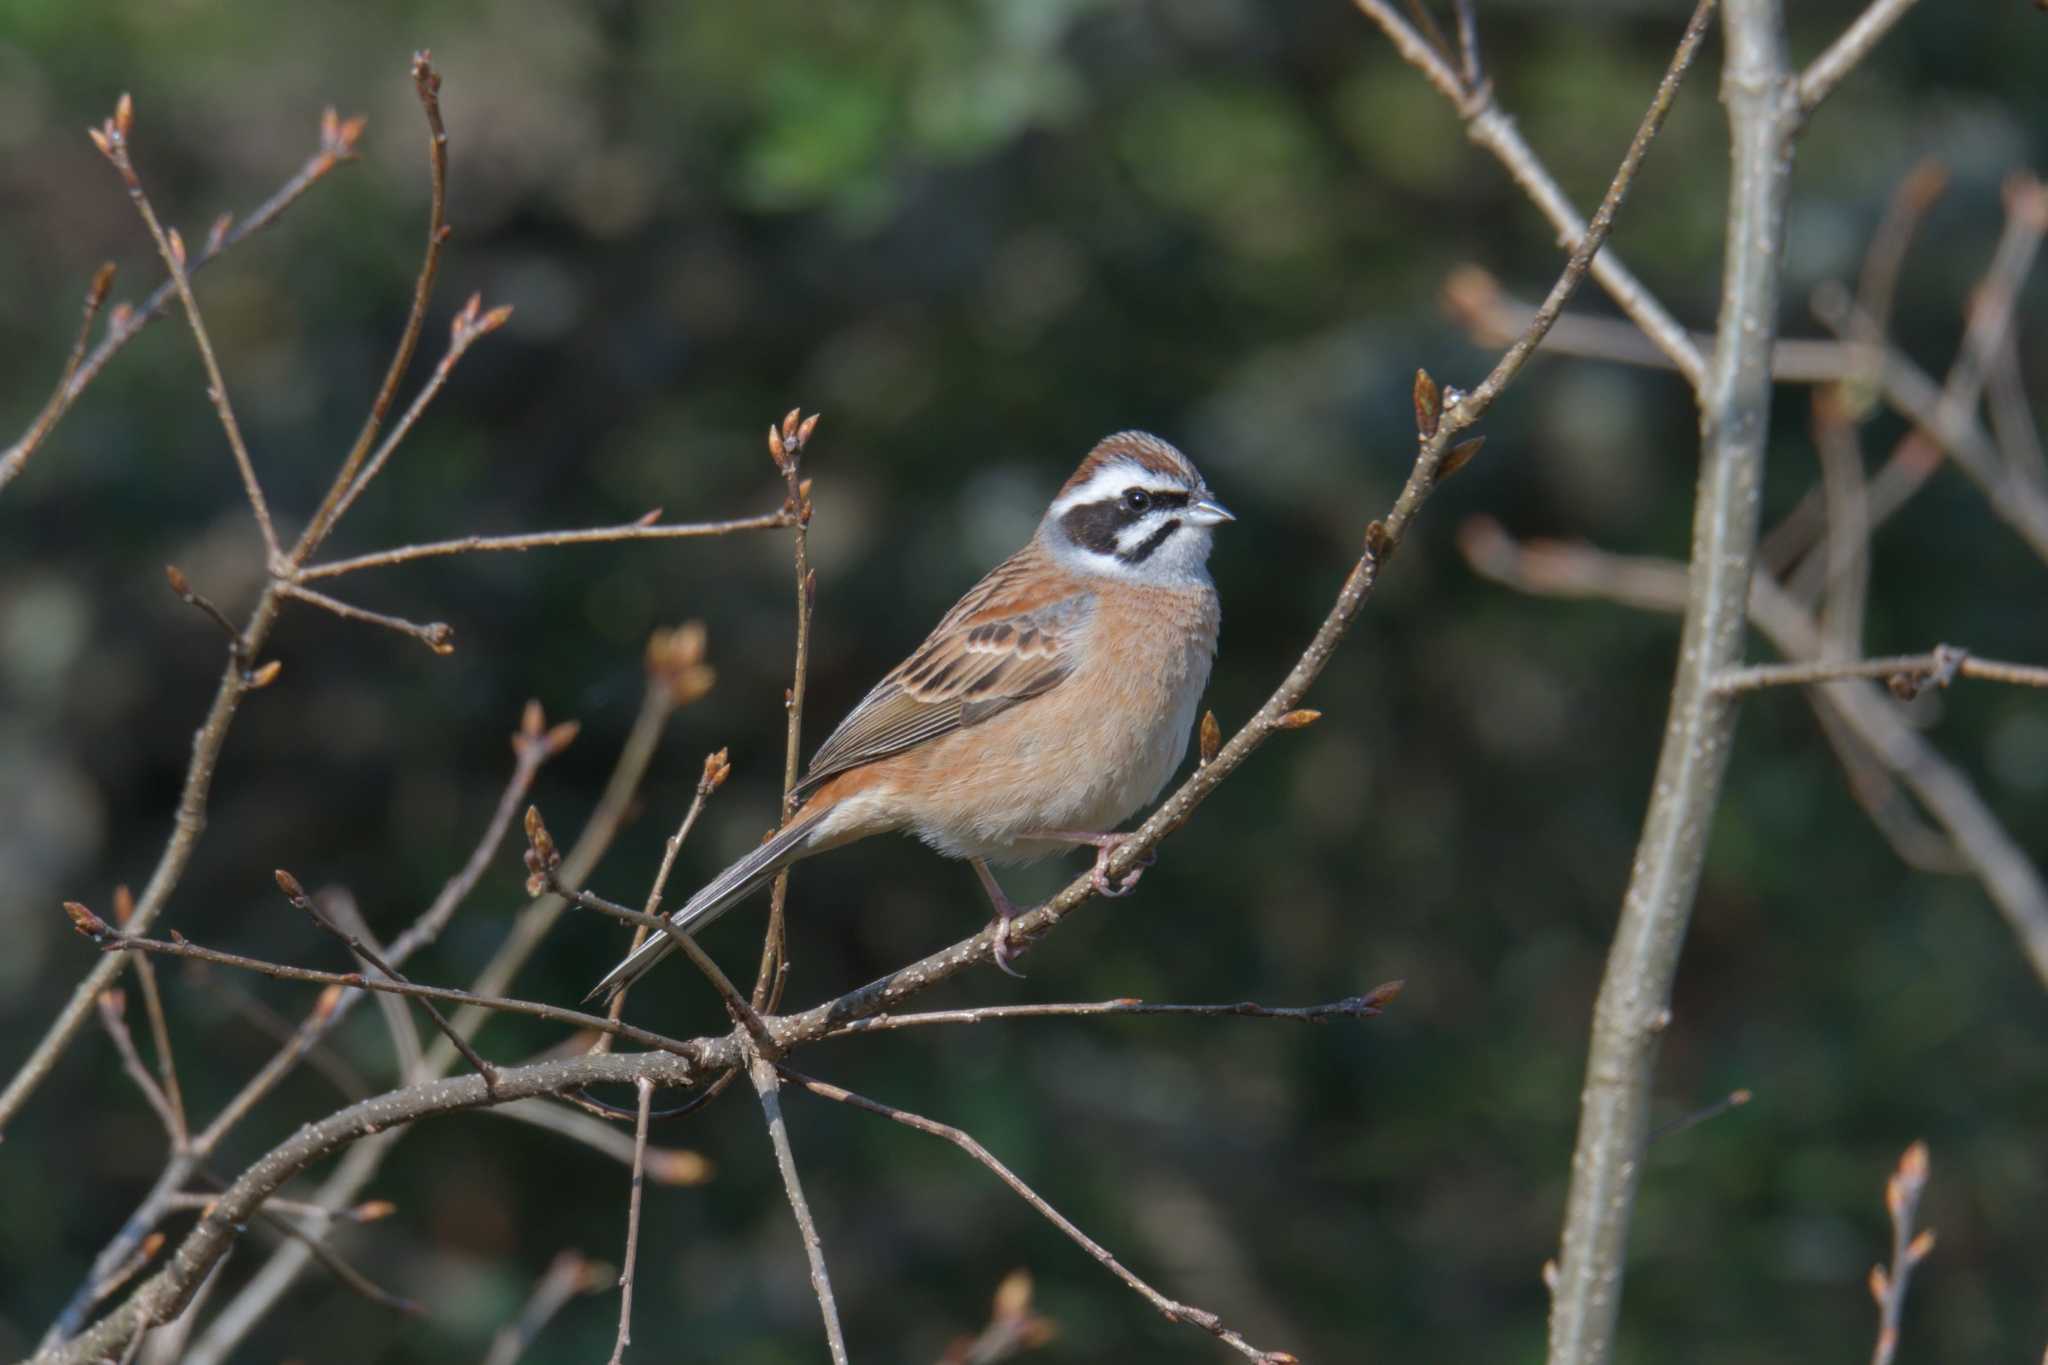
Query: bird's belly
[{"x": 1083, "y": 758}]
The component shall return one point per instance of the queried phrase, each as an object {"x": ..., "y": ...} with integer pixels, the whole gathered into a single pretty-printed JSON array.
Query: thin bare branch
[
  {"x": 1901, "y": 1198},
  {"x": 469, "y": 326},
  {"x": 1368, "y": 1006},
  {"x": 675, "y": 677},
  {"x": 737, "y": 1004},
  {"x": 375, "y": 960},
  {"x": 112, "y": 139},
  {"x": 113, "y": 1018},
  {"x": 427, "y": 86},
  {"x": 767, "y": 1084},
  {"x": 786, "y": 448},
  {"x": 438, "y": 636},
  {"x": 1991, "y": 854},
  {"x": 1906, "y": 674},
  {"x": 1491, "y": 128},
  {"x": 337, "y": 144},
  {"x": 160, "y": 1039},
  {"x": 1633, "y": 1006},
  {"x": 17, "y": 454},
  {"x": 536, "y": 540},
  {"x": 625, "y": 1336},
  {"x": 110, "y": 940},
  {"x": 717, "y": 767},
  {"x": 1170, "y": 1309},
  {"x": 664, "y": 1165},
  {"x": 1847, "y": 52},
  {"x": 1846, "y": 492},
  {"x": 571, "y": 1273}
]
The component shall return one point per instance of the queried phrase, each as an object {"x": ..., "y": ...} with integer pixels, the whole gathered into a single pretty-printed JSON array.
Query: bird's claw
[
  {"x": 1006, "y": 946},
  {"x": 1105, "y": 885}
]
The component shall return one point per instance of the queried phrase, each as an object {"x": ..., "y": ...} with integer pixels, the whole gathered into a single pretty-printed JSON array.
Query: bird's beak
[{"x": 1206, "y": 511}]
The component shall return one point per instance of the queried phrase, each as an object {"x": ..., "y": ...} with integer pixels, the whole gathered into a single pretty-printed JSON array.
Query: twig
[
  {"x": 665, "y": 1165},
  {"x": 110, "y": 940},
  {"x": 1170, "y": 1309},
  {"x": 1633, "y": 1006},
  {"x": 1992, "y": 855},
  {"x": 338, "y": 138},
  {"x": 737, "y": 1004},
  {"x": 160, "y": 1039},
  {"x": 1846, "y": 492},
  {"x": 1368, "y": 1006},
  {"x": 336, "y": 1265},
  {"x": 469, "y": 326},
  {"x": 296, "y": 894},
  {"x": 676, "y": 675},
  {"x": 1012, "y": 1327},
  {"x": 535, "y": 540},
  {"x": 113, "y": 1010},
  {"x": 625, "y": 1337},
  {"x": 18, "y": 453},
  {"x": 126, "y": 1271},
  {"x": 1488, "y": 126},
  {"x": 165, "y": 1293},
  {"x": 1901, "y": 1197},
  {"x": 436, "y": 635},
  {"x": 427, "y": 86},
  {"x": 571, "y": 1273},
  {"x": 1847, "y": 52},
  {"x": 111, "y": 137},
  {"x": 371, "y": 1212},
  {"x": 2012, "y": 418},
  {"x": 187, "y": 594},
  {"x": 1734, "y": 1099},
  {"x": 337, "y": 144},
  {"x": 785, "y": 448},
  {"x": 767, "y": 1085},
  {"x": 717, "y": 767},
  {"x": 1917, "y": 843},
  {"x": 1907, "y": 674}
]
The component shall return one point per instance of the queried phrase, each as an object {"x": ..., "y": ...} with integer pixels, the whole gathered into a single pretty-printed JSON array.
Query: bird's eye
[{"x": 1136, "y": 500}]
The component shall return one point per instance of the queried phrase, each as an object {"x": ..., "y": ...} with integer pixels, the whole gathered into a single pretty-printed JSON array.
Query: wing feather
[{"x": 1002, "y": 644}]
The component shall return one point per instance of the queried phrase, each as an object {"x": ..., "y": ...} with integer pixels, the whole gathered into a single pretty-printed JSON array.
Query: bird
[{"x": 1050, "y": 703}]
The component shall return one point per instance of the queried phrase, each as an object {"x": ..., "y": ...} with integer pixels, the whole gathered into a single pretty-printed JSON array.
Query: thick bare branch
[{"x": 1633, "y": 1007}]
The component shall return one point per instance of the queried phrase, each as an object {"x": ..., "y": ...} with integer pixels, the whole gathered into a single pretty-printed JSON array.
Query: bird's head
[{"x": 1137, "y": 510}]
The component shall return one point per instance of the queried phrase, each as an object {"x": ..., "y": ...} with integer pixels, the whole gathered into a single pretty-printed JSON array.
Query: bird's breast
[{"x": 1088, "y": 753}]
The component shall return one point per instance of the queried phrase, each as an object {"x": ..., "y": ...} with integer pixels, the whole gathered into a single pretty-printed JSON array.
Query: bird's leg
[
  {"x": 1006, "y": 909},
  {"x": 1106, "y": 846}
]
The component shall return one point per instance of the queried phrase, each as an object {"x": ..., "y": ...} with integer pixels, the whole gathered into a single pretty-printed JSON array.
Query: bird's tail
[{"x": 726, "y": 890}]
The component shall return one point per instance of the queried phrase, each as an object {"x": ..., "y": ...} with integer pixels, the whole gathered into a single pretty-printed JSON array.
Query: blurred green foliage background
[{"x": 978, "y": 236}]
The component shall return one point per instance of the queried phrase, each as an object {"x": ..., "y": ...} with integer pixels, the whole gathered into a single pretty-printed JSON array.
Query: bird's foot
[
  {"x": 1006, "y": 946},
  {"x": 1007, "y": 911},
  {"x": 1106, "y": 846}
]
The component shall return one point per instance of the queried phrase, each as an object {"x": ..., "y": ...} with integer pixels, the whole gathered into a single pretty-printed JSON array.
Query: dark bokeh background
[{"x": 978, "y": 237}]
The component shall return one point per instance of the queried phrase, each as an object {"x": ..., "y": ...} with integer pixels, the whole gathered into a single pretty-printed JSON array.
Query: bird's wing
[{"x": 1011, "y": 638}]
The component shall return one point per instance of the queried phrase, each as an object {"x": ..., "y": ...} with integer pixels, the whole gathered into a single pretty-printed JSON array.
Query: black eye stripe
[
  {"x": 1096, "y": 525},
  {"x": 1139, "y": 553}
]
